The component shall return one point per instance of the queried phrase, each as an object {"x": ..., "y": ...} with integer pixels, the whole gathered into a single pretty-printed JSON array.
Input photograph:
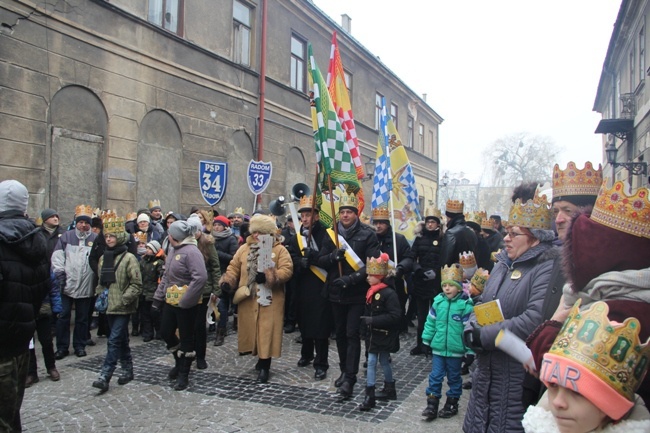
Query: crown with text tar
[
  {"x": 478, "y": 281},
  {"x": 533, "y": 214},
  {"x": 455, "y": 206},
  {"x": 349, "y": 200},
  {"x": 377, "y": 266},
  {"x": 381, "y": 213},
  {"x": 628, "y": 213},
  {"x": 467, "y": 259},
  {"x": 612, "y": 351},
  {"x": 154, "y": 203},
  {"x": 83, "y": 210},
  {"x": 572, "y": 181},
  {"x": 452, "y": 273},
  {"x": 306, "y": 203}
]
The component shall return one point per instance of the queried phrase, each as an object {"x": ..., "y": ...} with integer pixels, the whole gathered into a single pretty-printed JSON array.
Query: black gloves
[
  {"x": 304, "y": 262},
  {"x": 399, "y": 271},
  {"x": 419, "y": 273},
  {"x": 367, "y": 320},
  {"x": 225, "y": 287},
  {"x": 342, "y": 282},
  {"x": 260, "y": 278},
  {"x": 338, "y": 255},
  {"x": 156, "y": 305},
  {"x": 472, "y": 338}
]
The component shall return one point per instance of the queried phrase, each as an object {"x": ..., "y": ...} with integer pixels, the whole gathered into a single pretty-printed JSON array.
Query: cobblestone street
[{"x": 225, "y": 397}]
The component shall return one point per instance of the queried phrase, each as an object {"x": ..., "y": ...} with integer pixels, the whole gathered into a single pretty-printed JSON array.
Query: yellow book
[{"x": 489, "y": 313}]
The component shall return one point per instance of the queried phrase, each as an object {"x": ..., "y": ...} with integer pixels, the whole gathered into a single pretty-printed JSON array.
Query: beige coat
[{"x": 260, "y": 328}]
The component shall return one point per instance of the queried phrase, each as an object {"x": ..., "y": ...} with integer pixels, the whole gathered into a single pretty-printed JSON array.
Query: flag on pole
[
  {"x": 382, "y": 180},
  {"x": 341, "y": 99}
]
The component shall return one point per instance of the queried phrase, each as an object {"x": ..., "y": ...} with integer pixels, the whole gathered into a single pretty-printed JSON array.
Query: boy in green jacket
[
  {"x": 120, "y": 273},
  {"x": 443, "y": 332}
]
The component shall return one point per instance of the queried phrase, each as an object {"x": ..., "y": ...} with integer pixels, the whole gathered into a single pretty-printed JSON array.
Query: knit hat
[
  {"x": 179, "y": 230},
  {"x": 195, "y": 222},
  {"x": 83, "y": 212},
  {"x": 222, "y": 220},
  {"x": 154, "y": 246},
  {"x": 13, "y": 196},
  {"x": 48, "y": 213},
  {"x": 143, "y": 217}
]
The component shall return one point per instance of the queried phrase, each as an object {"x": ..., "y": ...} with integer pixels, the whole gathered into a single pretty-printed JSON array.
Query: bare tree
[{"x": 519, "y": 158}]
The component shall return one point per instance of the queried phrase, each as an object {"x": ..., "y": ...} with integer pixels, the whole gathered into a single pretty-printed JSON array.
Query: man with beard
[{"x": 314, "y": 310}]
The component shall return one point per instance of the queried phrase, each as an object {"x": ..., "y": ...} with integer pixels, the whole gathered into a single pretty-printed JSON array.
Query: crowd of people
[{"x": 571, "y": 278}]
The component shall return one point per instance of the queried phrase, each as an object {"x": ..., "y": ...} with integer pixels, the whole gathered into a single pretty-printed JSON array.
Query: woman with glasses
[{"x": 518, "y": 282}]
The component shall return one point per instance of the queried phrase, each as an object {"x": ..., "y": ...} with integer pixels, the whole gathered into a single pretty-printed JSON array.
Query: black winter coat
[
  {"x": 363, "y": 240},
  {"x": 24, "y": 280},
  {"x": 457, "y": 239},
  {"x": 383, "y": 334},
  {"x": 226, "y": 249},
  {"x": 404, "y": 254},
  {"x": 52, "y": 239},
  {"x": 426, "y": 252}
]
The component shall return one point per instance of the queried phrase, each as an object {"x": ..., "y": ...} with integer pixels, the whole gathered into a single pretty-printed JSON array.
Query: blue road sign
[
  {"x": 259, "y": 176},
  {"x": 213, "y": 177}
]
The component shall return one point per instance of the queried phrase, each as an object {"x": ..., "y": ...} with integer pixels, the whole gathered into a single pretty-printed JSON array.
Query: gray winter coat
[
  {"x": 70, "y": 264},
  {"x": 495, "y": 404}
]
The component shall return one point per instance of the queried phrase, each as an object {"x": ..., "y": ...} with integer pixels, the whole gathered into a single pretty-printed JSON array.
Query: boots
[
  {"x": 369, "y": 401},
  {"x": 234, "y": 322},
  {"x": 221, "y": 334},
  {"x": 183, "y": 379},
  {"x": 127, "y": 374},
  {"x": 388, "y": 392},
  {"x": 339, "y": 381},
  {"x": 450, "y": 409},
  {"x": 102, "y": 383},
  {"x": 173, "y": 373},
  {"x": 346, "y": 389},
  {"x": 431, "y": 411}
]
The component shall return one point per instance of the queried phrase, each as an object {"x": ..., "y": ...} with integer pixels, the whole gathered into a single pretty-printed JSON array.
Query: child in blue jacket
[{"x": 443, "y": 332}]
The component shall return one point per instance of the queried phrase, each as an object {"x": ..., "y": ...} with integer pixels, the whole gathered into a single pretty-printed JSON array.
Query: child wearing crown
[
  {"x": 382, "y": 319},
  {"x": 592, "y": 371},
  {"x": 443, "y": 332}
]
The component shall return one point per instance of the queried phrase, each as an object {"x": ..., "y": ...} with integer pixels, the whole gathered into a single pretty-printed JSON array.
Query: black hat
[{"x": 48, "y": 213}]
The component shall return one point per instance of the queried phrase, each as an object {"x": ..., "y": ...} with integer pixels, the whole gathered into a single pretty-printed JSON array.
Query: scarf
[
  {"x": 107, "y": 276},
  {"x": 50, "y": 229},
  {"x": 374, "y": 289},
  {"x": 222, "y": 234}
]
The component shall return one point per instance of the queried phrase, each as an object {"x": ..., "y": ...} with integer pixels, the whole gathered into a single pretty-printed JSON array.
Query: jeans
[
  {"x": 44, "y": 333},
  {"x": 117, "y": 347},
  {"x": 445, "y": 366},
  {"x": 183, "y": 319},
  {"x": 371, "y": 374},
  {"x": 13, "y": 373},
  {"x": 347, "y": 325},
  {"x": 223, "y": 306},
  {"x": 80, "y": 336}
]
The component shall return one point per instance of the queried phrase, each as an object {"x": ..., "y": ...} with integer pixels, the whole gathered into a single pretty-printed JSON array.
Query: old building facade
[{"x": 115, "y": 103}]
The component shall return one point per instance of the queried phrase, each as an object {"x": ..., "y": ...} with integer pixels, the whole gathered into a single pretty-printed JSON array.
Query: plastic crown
[
  {"x": 628, "y": 213},
  {"x": 611, "y": 351},
  {"x": 534, "y": 214},
  {"x": 452, "y": 273},
  {"x": 572, "y": 181},
  {"x": 455, "y": 206}
]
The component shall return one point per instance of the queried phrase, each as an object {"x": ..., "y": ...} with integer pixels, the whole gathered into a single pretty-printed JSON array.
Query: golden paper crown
[
  {"x": 154, "y": 203},
  {"x": 476, "y": 216},
  {"x": 377, "y": 266},
  {"x": 534, "y": 214},
  {"x": 174, "y": 294},
  {"x": 84, "y": 210},
  {"x": 108, "y": 214},
  {"x": 479, "y": 279},
  {"x": 140, "y": 237},
  {"x": 381, "y": 213},
  {"x": 493, "y": 256},
  {"x": 572, "y": 181},
  {"x": 611, "y": 351},
  {"x": 306, "y": 202},
  {"x": 432, "y": 212},
  {"x": 349, "y": 200},
  {"x": 453, "y": 273},
  {"x": 628, "y": 213},
  {"x": 113, "y": 225},
  {"x": 97, "y": 212},
  {"x": 467, "y": 259},
  {"x": 131, "y": 216},
  {"x": 488, "y": 223},
  {"x": 455, "y": 206}
]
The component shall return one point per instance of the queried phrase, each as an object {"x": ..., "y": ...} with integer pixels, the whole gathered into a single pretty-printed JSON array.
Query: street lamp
[
  {"x": 634, "y": 168},
  {"x": 370, "y": 168}
]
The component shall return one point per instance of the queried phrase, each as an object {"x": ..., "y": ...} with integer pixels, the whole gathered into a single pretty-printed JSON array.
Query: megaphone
[
  {"x": 277, "y": 206},
  {"x": 298, "y": 191}
]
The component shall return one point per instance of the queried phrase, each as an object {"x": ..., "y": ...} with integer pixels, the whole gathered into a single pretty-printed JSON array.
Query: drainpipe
[{"x": 262, "y": 96}]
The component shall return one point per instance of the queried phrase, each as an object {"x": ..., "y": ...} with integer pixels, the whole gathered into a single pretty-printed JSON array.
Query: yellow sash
[
  {"x": 350, "y": 256},
  {"x": 319, "y": 272}
]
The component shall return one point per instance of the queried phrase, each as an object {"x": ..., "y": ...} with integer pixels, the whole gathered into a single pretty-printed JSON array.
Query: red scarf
[{"x": 374, "y": 289}]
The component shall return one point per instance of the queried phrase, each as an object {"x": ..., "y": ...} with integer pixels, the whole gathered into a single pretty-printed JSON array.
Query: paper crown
[
  {"x": 476, "y": 216},
  {"x": 493, "y": 256},
  {"x": 572, "y": 181},
  {"x": 452, "y": 273},
  {"x": 97, "y": 212},
  {"x": 107, "y": 214},
  {"x": 488, "y": 223},
  {"x": 239, "y": 211},
  {"x": 377, "y": 266},
  {"x": 112, "y": 223},
  {"x": 381, "y": 213},
  {"x": 306, "y": 203},
  {"x": 478, "y": 281},
  {"x": 131, "y": 216},
  {"x": 534, "y": 214},
  {"x": 140, "y": 237},
  {"x": 432, "y": 212},
  {"x": 467, "y": 259},
  {"x": 154, "y": 203},
  {"x": 628, "y": 213},
  {"x": 610, "y": 351},
  {"x": 83, "y": 210},
  {"x": 455, "y": 206},
  {"x": 349, "y": 200}
]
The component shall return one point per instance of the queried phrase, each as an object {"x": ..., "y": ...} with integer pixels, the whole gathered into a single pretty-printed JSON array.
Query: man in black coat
[
  {"x": 290, "y": 307},
  {"x": 458, "y": 237},
  {"x": 345, "y": 263},
  {"x": 24, "y": 282},
  {"x": 314, "y": 312}
]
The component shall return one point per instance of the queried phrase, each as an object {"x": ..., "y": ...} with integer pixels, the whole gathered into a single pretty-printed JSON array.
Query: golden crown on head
[
  {"x": 453, "y": 273},
  {"x": 376, "y": 266},
  {"x": 140, "y": 237},
  {"x": 349, "y": 200},
  {"x": 476, "y": 216},
  {"x": 381, "y": 213},
  {"x": 467, "y": 259},
  {"x": 478, "y": 280},
  {"x": 306, "y": 202},
  {"x": 628, "y": 213},
  {"x": 154, "y": 203},
  {"x": 131, "y": 216},
  {"x": 97, "y": 212},
  {"x": 533, "y": 214},
  {"x": 572, "y": 181},
  {"x": 239, "y": 210},
  {"x": 84, "y": 210},
  {"x": 488, "y": 223},
  {"x": 455, "y": 206},
  {"x": 611, "y": 351},
  {"x": 108, "y": 214},
  {"x": 432, "y": 212},
  {"x": 113, "y": 224}
]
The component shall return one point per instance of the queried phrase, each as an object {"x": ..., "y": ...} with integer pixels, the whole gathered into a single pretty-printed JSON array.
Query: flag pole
[
  {"x": 392, "y": 210},
  {"x": 313, "y": 206},
  {"x": 334, "y": 223}
]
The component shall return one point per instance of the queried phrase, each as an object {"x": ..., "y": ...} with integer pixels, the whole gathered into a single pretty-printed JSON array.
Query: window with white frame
[
  {"x": 167, "y": 14},
  {"x": 420, "y": 138},
  {"x": 241, "y": 18},
  {"x": 642, "y": 53},
  {"x": 348, "y": 83},
  {"x": 378, "y": 98},
  {"x": 393, "y": 113},
  {"x": 632, "y": 66},
  {"x": 298, "y": 63},
  {"x": 409, "y": 132}
]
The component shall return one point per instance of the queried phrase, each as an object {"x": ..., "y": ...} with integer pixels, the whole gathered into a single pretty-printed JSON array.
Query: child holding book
[
  {"x": 443, "y": 332},
  {"x": 382, "y": 319}
]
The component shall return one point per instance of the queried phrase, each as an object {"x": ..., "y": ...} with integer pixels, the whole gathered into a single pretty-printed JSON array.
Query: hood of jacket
[{"x": 22, "y": 235}]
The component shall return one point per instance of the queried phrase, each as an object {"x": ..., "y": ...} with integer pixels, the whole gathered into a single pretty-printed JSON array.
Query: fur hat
[
  {"x": 13, "y": 196},
  {"x": 263, "y": 224}
]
